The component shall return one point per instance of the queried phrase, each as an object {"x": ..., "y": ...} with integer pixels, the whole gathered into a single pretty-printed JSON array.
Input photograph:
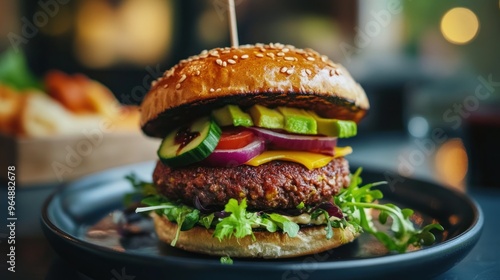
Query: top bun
[{"x": 270, "y": 75}]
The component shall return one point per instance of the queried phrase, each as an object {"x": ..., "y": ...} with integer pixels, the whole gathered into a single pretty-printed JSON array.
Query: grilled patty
[{"x": 274, "y": 185}]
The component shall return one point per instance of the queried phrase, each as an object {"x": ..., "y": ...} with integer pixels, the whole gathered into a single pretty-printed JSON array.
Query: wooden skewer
[{"x": 232, "y": 23}]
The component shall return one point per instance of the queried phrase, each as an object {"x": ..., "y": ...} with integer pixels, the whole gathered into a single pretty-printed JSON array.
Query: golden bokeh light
[
  {"x": 137, "y": 31},
  {"x": 459, "y": 25},
  {"x": 451, "y": 163}
]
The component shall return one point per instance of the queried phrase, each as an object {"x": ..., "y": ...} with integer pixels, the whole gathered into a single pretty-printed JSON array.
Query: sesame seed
[
  {"x": 270, "y": 54},
  {"x": 280, "y": 54},
  {"x": 182, "y": 78},
  {"x": 338, "y": 71},
  {"x": 308, "y": 72},
  {"x": 262, "y": 50},
  {"x": 177, "y": 86},
  {"x": 310, "y": 58},
  {"x": 212, "y": 89},
  {"x": 289, "y": 71},
  {"x": 231, "y": 61},
  {"x": 283, "y": 69},
  {"x": 165, "y": 86},
  {"x": 169, "y": 73},
  {"x": 285, "y": 50},
  {"x": 219, "y": 89},
  {"x": 289, "y": 58},
  {"x": 224, "y": 64},
  {"x": 259, "y": 55},
  {"x": 271, "y": 45},
  {"x": 279, "y": 45},
  {"x": 226, "y": 51},
  {"x": 153, "y": 83},
  {"x": 219, "y": 61},
  {"x": 235, "y": 57},
  {"x": 245, "y": 56},
  {"x": 204, "y": 52},
  {"x": 197, "y": 72},
  {"x": 214, "y": 54},
  {"x": 324, "y": 58}
]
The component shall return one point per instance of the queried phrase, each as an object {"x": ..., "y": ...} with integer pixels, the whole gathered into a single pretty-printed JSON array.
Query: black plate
[{"x": 73, "y": 209}]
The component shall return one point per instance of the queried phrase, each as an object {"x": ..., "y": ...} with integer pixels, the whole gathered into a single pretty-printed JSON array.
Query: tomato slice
[{"x": 234, "y": 138}]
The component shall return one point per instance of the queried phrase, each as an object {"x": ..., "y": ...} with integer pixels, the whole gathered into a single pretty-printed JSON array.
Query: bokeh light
[
  {"x": 134, "y": 31},
  {"x": 459, "y": 25},
  {"x": 451, "y": 163},
  {"x": 418, "y": 126}
]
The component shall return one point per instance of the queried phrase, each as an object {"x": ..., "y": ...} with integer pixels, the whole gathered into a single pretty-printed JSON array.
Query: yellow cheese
[
  {"x": 308, "y": 159},
  {"x": 342, "y": 151}
]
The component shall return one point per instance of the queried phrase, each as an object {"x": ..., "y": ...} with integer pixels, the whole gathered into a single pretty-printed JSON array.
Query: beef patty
[{"x": 274, "y": 185}]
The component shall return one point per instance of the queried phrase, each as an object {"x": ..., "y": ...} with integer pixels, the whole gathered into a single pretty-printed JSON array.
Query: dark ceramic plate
[{"x": 73, "y": 211}]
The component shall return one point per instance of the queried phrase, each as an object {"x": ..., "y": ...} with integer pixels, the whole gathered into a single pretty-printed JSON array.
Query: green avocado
[
  {"x": 231, "y": 115},
  {"x": 266, "y": 118},
  {"x": 298, "y": 121},
  {"x": 334, "y": 127}
]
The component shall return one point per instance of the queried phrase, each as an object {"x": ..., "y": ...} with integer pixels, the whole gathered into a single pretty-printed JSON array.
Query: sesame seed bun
[
  {"x": 270, "y": 75},
  {"x": 269, "y": 245}
]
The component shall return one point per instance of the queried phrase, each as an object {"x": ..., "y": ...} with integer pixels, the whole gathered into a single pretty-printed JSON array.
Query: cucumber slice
[{"x": 190, "y": 144}]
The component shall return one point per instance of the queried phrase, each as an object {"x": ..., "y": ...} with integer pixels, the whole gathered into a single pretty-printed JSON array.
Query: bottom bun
[{"x": 267, "y": 245}]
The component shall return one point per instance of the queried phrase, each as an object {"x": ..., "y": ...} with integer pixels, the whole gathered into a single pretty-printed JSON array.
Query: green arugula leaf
[
  {"x": 353, "y": 201},
  {"x": 207, "y": 220},
  {"x": 226, "y": 260},
  {"x": 289, "y": 227},
  {"x": 382, "y": 217},
  {"x": 141, "y": 189},
  {"x": 328, "y": 227},
  {"x": 238, "y": 223},
  {"x": 267, "y": 223},
  {"x": 140, "y": 186},
  {"x": 191, "y": 218},
  {"x": 185, "y": 217}
]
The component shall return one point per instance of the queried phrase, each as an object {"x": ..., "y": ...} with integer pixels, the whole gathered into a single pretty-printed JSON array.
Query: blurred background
[{"x": 430, "y": 69}]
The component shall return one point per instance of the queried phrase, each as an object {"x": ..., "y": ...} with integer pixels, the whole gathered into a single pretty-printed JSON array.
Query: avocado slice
[
  {"x": 335, "y": 127},
  {"x": 266, "y": 118},
  {"x": 231, "y": 115},
  {"x": 298, "y": 121}
]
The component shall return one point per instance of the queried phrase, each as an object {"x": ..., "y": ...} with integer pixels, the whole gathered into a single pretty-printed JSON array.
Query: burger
[{"x": 249, "y": 164}]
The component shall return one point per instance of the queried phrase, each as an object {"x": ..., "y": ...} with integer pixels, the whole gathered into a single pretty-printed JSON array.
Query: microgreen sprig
[{"x": 355, "y": 199}]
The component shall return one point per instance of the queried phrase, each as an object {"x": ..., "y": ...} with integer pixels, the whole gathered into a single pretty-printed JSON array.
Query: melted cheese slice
[{"x": 308, "y": 159}]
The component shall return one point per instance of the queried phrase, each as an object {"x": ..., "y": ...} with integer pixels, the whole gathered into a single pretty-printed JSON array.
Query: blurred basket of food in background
[{"x": 63, "y": 127}]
